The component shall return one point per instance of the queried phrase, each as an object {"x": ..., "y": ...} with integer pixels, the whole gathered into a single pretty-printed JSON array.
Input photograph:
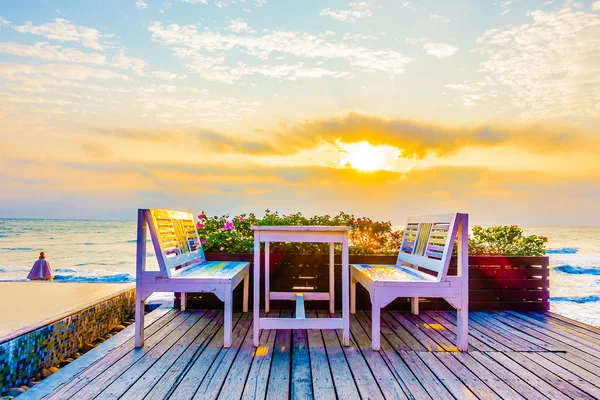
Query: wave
[
  {"x": 95, "y": 279},
  {"x": 14, "y": 269},
  {"x": 66, "y": 270},
  {"x": 579, "y": 300},
  {"x": 18, "y": 249},
  {"x": 562, "y": 250},
  {"x": 569, "y": 269},
  {"x": 104, "y": 263}
]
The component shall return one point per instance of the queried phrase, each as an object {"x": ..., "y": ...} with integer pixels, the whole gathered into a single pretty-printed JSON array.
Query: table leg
[
  {"x": 345, "y": 289},
  {"x": 256, "y": 305},
  {"x": 267, "y": 280},
  {"x": 331, "y": 279}
]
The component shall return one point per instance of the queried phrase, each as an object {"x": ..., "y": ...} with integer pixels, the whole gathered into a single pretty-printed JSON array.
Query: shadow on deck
[{"x": 512, "y": 355}]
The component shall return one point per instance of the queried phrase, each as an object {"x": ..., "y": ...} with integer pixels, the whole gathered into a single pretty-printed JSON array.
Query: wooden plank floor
[{"x": 512, "y": 355}]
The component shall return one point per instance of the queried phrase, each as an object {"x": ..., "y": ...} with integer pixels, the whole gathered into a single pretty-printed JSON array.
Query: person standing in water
[{"x": 41, "y": 269}]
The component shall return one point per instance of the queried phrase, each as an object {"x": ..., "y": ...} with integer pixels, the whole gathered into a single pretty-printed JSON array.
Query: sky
[{"x": 382, "y": 108}]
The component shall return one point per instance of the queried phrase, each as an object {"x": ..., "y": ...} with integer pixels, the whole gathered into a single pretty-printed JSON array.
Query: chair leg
[
  {"x": 246, "y": 287},
  {"x": 183, "y": 301},
  {"x": 228, "y": 319},
  {"x": 139, "y": 322},
  {"x": 462, "y": 327},
  {"x": 352, "y": 296},
  {"x": 376, "y": 326},
  {"x": 414, "y": 305}
]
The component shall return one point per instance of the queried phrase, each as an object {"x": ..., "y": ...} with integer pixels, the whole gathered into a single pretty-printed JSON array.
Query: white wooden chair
[
  {"x": 183, "y": 267},
  {"x": 421, "y": 271}
]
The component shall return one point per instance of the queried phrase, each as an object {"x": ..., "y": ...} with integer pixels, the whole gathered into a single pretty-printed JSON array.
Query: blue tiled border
[{"x": 24, "y": 356}]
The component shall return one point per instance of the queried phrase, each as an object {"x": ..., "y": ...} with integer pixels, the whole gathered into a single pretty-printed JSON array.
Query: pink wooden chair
[
  {"x": 183, "y": 267},
  {"x": 421, "y": 271}
]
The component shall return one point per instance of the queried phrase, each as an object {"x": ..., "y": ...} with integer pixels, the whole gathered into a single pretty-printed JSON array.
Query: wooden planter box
[{"x": 495, "y": 282}]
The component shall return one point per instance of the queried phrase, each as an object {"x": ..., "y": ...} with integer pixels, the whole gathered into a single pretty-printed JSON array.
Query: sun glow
[{"x": 364, "y": 156}]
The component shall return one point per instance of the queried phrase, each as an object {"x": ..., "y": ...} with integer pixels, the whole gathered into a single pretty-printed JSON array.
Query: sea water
[{"x": 104, "y": 251}]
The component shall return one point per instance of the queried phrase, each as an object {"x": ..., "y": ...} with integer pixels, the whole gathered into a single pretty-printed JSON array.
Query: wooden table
[{"x": 315, "y": 234}]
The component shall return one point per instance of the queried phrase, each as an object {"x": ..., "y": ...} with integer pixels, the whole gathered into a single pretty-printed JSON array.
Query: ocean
[{"x": 104, "y": 251}]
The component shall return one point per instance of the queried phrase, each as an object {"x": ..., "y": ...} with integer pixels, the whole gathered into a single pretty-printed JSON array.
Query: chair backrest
[
  {"x": 175, "y": 239},
  {"x": 428, "y": 242}
]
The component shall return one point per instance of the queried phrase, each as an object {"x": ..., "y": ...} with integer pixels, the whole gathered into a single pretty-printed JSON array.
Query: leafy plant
[
  {"x": 234, "y": 234},
  {"x": 505, "y": 240}
]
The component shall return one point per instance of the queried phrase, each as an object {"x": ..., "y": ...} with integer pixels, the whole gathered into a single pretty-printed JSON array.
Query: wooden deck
[{"x": 512, "y": 355}]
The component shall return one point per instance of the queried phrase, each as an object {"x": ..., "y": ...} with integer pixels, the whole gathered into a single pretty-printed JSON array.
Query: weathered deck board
[
  {"x": 279, "y": 377},
  {"x": 179, "y": 353},
  {"x": 345, "y": 386},
  {"x": 405, "y": 377},
  {"x": 570, "y": 321},
  {"x": 177, "y": 371},
  {"x": 197, "y": 371},
  {"x": 513, "y": 356},
  {"x": 385, "y": 378},
  {"x": 115, "y": 367},
  {"x": 258, "y": 377},
  {"x": 323, "y": 387},
  {"x": 366, "y": 382}
]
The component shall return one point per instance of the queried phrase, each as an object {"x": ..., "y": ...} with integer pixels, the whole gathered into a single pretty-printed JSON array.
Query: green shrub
[
  {"x": 234, "y": 234},
  {"x": 505, "y": 240}
]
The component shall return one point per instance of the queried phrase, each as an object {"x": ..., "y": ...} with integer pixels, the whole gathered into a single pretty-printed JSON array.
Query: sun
[{"x": 364, "y": 156}]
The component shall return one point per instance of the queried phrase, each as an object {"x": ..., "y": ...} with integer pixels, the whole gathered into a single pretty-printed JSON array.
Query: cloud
[
  {"x": 473, "y": 94},
  {"x": 63, "y": 71},
  {"x": 170, "y": 76},
  {"x": 358, "y": 10},
  {"x": 64, "y": 31},
  {"x": 409, "y": 5},
  {"x": 205, "y": 52},
  {"x": 33, "y": 100},
  {"x": 279, "y": 71},
  {"x": 550, "y": 67},
  {"x": 224, "y": 143},
  {"x": 358, "y": 36},
  {"x": 134, "y": 64},
  {"x": 141, "y": 4},
  {"x": 415, "y": 40},
  {"x": 167, "y": 87},
  {"x": 440, "y": 50},
  {"x": 506, "y": 6},
  {"x": 439, "y": 18},
  {"x": 596, "y": 5},
  {"x": 418, "y": 139},
  {"x": 226, "y": 109},
  {"x": 52, "y": 53},
  {"x": 238, "y": 25},
  {"x": 457, "y": 86},
  {"x": 195, "y": 1},
  {"x": 4, "y": 22}
]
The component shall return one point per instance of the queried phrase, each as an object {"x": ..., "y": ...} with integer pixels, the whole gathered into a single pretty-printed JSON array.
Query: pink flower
[
  {"x": 241, "y": 219},
  {"x": 199, "y": 225},
  {"x": 203, "y": 241},
  {"x": 228, "y": 226}
]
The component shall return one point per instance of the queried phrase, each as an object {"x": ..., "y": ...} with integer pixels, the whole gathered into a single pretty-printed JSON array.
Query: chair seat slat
[{"x": 393, "y": 273}]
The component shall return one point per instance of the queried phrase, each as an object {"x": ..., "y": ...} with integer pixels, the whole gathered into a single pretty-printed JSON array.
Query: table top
[{"x": 297, "y": 228}]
